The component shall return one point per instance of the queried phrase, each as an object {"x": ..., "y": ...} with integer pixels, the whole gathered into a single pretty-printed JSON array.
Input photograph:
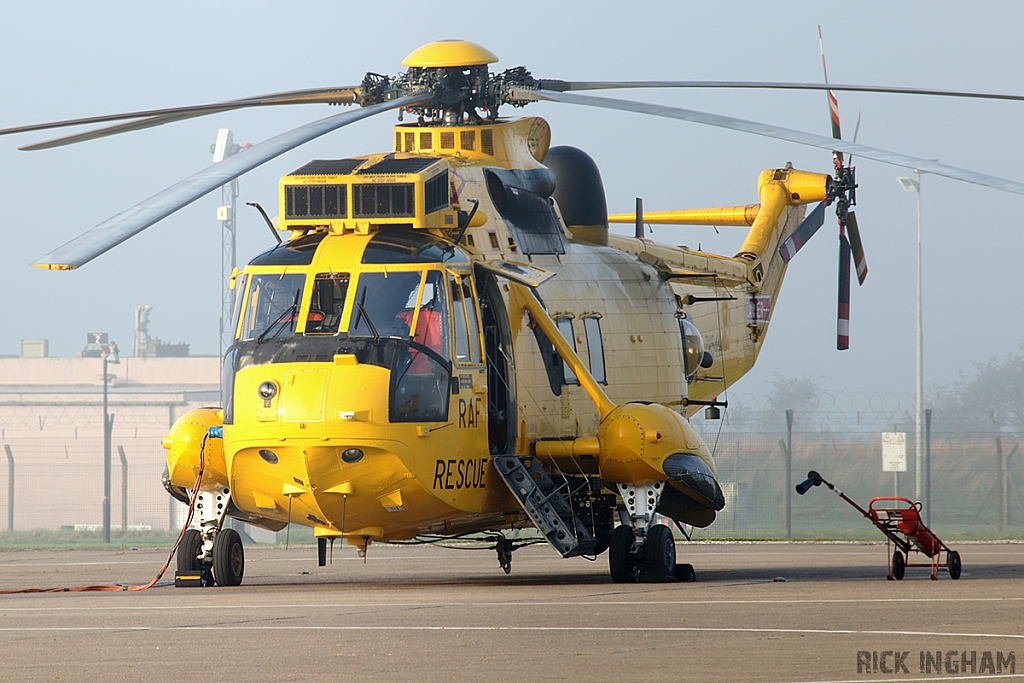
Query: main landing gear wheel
[
  {"x": 899, "y": 566},
  {"x": 228, "y": 558},
  {"x": 953, "y": 564},
  {"x": 621, "y": 559},
  {"x": 188, "y": 551},
  {"x": 659, "y": 555}
]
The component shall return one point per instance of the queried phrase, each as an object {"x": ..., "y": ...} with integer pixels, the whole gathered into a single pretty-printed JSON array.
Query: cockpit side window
[
  {"x": 236, "y": 313},
  {"x": 272, "y": 305},
  {"x": 421, "y": 375},
  {"x": 464, "y": 316},
  {"x": 432, "y": 321},
  {"x": 327, "y": 303}
]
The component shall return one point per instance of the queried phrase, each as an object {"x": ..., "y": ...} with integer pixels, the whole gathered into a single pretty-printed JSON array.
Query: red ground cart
[{"x": 900, "y": 520}]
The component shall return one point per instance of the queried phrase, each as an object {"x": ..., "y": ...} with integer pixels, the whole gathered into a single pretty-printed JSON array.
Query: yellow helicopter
[{"x": 449, "y": 340}]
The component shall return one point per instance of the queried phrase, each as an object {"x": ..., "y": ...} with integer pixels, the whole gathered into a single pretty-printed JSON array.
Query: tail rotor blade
[
  {"x": 843, "y": 323},
  {"x": 803, "y": 233},
  {"x": 858, "y": 249},
  {"x": 833, "y": 103}
]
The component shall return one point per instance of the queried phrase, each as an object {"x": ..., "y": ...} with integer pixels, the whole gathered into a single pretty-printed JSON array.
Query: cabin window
[
  {"x": 272, "y": 305},
  {"x": 565, "y": 327},
  {"x": 327, "y": 303},
  {"x": 592, "y": 328}
]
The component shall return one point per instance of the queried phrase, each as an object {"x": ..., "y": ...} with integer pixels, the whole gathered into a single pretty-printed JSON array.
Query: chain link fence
[
  {"x": 976, "y": 488},
  {"x": 976, "y": 483},
  {"x": 53, "y": 475}
]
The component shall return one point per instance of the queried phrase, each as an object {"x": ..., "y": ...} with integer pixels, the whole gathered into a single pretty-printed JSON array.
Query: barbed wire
[
  {"x": 871, "y": 411},
  {"x": 85, "y": 417}
]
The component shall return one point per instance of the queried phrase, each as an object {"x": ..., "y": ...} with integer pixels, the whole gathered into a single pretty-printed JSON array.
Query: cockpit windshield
[
  {"x": 327, "y": 303},
  {"x": 412, "y": 306},
  {"x": 272, "y": 305},
  {"x": 386, "y": 305}
]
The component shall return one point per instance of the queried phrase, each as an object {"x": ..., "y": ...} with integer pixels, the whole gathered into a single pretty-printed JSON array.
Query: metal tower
[{"x": 223, "y": 148}]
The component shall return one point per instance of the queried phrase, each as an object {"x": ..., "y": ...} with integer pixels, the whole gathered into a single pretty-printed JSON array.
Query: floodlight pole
[
  {"x": 229, "y": 260},
  {"x": 223, "y": 148},
  {"x": 915, "y": 187},
  {"x": 919, "y": 396}
]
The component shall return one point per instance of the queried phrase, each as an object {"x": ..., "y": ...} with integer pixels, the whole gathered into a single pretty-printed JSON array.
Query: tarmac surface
[{"x": 434, "y": 614}]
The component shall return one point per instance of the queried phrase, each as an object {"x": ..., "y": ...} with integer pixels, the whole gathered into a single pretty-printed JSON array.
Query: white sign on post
[{"x": 894, "y": 451}]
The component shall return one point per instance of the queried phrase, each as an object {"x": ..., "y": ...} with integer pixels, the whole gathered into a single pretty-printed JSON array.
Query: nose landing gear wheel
[
  {"x": 621, "y": 559},
  {"x": 228, "y": 558},
  {"x": 188, "y": 551},
  {"x": 659, "y": 555}
]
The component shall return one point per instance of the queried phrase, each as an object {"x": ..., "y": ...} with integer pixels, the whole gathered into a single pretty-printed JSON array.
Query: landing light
[{"x": 267, "y": 390}]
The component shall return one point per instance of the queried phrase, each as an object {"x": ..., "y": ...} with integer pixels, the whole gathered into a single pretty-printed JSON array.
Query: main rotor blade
[
  {"x": 96, "y": 133},
  {"x": 336, "y": 95},
  {"x": 858, "y": 249},
  {"x": 112, "y": 232},
  {"x": 777, "y": 132},
  {"x": 803, "y": 233},
  {"x": 565, "y": 86}
]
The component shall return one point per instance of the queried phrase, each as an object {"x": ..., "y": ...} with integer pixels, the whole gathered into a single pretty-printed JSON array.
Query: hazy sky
[{"x": 72, "y": 59}]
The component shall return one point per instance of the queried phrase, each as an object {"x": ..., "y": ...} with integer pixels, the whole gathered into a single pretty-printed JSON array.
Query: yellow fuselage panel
[{"x": 636, "y": 313}]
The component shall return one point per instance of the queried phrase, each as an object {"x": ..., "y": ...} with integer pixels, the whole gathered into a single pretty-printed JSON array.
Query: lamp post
[
  {"x": 912, "y": 185},
  {"x": 110, "y": 356}
]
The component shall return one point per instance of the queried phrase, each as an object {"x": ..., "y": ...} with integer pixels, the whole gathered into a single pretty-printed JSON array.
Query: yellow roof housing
[{"x": 449, "y": 53}]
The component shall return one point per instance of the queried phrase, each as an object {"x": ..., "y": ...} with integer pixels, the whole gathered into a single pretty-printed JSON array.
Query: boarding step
[{"x": 547, "y": 504}]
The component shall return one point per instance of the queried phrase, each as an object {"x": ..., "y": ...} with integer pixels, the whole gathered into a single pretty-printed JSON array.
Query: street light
[
  {"x": 912, "y": 185},
  {"x": 109, "y": 355}
]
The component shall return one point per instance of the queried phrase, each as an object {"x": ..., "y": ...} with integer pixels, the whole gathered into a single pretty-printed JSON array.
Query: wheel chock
[{"x": 684, "y": 573}]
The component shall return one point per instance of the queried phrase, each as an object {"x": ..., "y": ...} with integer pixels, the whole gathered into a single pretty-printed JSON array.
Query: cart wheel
[
  {"x": 899, "y": 566},
  {"x": 953, "y": 564}
]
